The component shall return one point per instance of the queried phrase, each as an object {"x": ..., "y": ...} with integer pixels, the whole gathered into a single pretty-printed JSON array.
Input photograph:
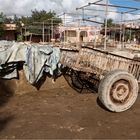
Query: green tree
[
  {"x": 109, "y": 23},
  {"x": 16, "y": 20},
  {"x": 40, "y": 16},
  {"x": 5, "y": 19},
  {"x": 34, "y": 23},
  {"x": 2, "y": 18}
]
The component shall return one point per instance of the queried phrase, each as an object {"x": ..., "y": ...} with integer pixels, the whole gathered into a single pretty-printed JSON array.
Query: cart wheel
[{"x": 118, "y": 90}]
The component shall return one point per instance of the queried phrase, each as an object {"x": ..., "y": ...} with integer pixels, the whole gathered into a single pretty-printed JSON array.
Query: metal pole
[
  {"x": 43, "y": 33},
  {"x": 117, "y": 6},
  {"x": 64, "y": 26},
  {"x": 49, "y": 34},
  {"x": 21, "y": 34},
  {"x": 121, "y": 28},
  {"x": 83, "y": 16},
  {"x": 106, "y": 14},
  {"x": 130, "y": 36},
  {"x": 25, "y": 34},
  {"x": 52, "y": 27},
  {"x": 123, "y": 39}
]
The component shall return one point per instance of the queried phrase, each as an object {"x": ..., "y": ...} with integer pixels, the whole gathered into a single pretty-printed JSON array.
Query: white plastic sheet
[{"x": 36, "y": 58}]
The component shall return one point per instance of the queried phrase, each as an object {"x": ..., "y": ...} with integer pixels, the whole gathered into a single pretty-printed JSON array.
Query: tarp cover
[{"x": 35, "y": 58}]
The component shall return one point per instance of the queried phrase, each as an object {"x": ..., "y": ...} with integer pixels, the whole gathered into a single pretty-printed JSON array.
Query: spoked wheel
[{"x": 118, "y": 90}]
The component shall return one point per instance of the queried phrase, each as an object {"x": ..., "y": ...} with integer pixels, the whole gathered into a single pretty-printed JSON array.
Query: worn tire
[{"x": 118, "y": 90}]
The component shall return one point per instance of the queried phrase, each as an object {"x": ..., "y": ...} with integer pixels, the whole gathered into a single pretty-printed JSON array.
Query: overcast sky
[{"x": 24, "y": 7}]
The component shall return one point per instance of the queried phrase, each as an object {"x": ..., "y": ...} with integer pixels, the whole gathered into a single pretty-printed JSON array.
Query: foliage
[
  {"x": 109, "y": 23},
  {"x": 2, "y": 17},
  {"x": 40, "y": 16},
  {"x": 19, "y": 38},
  {"x": 36, "y": 16},
  {"x": 34, "y": 23}
]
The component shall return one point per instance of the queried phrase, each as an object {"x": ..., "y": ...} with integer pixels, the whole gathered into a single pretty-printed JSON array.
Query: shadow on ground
[
  {"x": 4, "y": 120},
  {"x": 79, "y": 82},
  {"x": 7, "y": 89}
]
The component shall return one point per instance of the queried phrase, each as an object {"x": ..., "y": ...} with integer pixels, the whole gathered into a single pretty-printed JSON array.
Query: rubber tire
[{"x": 106, "y": 84}]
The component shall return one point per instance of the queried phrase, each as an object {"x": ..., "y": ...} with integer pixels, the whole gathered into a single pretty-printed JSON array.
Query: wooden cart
[{"x": 117, "y": 71}]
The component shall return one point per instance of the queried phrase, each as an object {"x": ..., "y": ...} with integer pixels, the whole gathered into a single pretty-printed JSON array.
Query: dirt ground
[{"x": 57, "y": 111}]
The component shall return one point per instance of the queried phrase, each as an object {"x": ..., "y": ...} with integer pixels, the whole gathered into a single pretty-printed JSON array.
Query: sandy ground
[{"x": 57, "y": 111}]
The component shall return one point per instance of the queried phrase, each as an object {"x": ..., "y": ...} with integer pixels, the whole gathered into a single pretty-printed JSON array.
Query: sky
[
  {"x": 24, "y": 7},
  {"x": 133, "y": 3}
]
